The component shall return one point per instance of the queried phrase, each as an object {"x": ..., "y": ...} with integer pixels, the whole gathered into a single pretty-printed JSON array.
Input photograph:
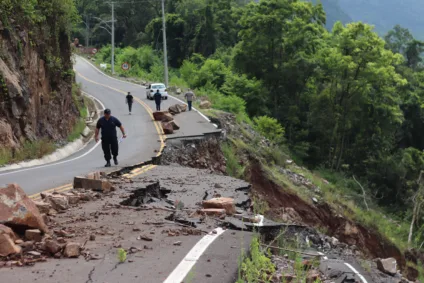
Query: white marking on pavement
[
  {"x": 97, "y": 69},
  {"x": 62, "y": 162},
  {"x": 324, "y": 257},
  {"x": 356, "y": 272},
  {"x": 181, "y": 271}
]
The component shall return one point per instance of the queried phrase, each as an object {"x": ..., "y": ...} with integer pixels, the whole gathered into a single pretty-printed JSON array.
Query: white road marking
[
  {"x": 356, "y": 272},
  {"x": 324, "y": 257},
  {"x": 97, "y": 69},
  {"x": 181, "y": 271},
  {"x": 62, "y": 162}
]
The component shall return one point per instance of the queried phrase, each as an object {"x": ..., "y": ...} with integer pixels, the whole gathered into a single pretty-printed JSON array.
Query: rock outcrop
[{"x": 35, "y": 81}]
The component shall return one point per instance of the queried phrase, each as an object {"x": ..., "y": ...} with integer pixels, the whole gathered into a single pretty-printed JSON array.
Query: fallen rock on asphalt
[
  {"x": 177, "y": 109},
  {"x": 388, "y": 265},
  {"x": 175, "y": 127},
  {"x": 225, "y": 203},
  {"x": 57, "y": 201},
  {"x": 167, "y": 118},
  {"x": 72, "y": 198},
  {"x": 158, "y": 116},
  {"x": 33, "y": 235},
  {"x": 72, "y": 250},
  {"x": 92, "y": 184},
  {"x": 168, "y": 128},
  {"x": 52, "y": 247},
  {"x": 7, "y": 242},
  {"x": 16, "y": 208},
  {"x": 94, "y": 176}
]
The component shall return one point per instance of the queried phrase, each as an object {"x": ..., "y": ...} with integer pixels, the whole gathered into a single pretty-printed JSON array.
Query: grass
[
  {"x": 77, "y": 130},
  {"x": 122, "y": 255},
  {"x": 29, "y": 150},
  {"x": 233, "y": 164}
]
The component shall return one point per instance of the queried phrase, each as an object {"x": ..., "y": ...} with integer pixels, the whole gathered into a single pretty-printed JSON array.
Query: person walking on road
[
  {"x": 129, "y": 101},
  {"x": 158, "y": 99},
  {"x": 190, "y": 96},
  {"x": 108, "y": 125}
]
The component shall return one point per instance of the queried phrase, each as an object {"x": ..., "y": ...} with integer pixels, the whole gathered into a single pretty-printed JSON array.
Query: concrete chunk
[
  {"x": 388, "y": 265},
  {"x": 212, "y": 211}
]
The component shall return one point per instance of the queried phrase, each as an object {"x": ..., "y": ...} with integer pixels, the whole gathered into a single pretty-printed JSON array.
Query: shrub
[
  {"x": 214, "y": 72},
  {"x": 232, "y": 104},
  {"x": 269, "y": 128}
]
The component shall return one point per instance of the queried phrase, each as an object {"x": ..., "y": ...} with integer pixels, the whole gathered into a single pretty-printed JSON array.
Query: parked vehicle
[{"x": 153, "y": 88}]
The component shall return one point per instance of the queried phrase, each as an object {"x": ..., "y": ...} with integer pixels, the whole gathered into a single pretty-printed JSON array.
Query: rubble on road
[
  {"x": 7, "y": 242},
  {"x": 221, "y": 202},
  {"x": 93, "y": 184},
  {"x": 158, "y": 116},
  {"x": 177, "y": 108},
  {"x": 167, "y": 128}
]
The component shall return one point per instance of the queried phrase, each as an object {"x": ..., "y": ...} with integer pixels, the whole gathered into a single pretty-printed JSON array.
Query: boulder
[
  {"x": 72, "y": 250},
  {"x": 16, "y": 208},
  {"x": 158, "y": 116},
  {"x": 7, "y": 242},
  {"x": 174, "y": 109},
  {"x": 33, "y": 235},
  {"x": 174, "y": 125},
  {"x": 52, "y": 247},
  {"x": 182, "y": 107},
  {"x": 95, "y": 185},
  {"x": 205, "y": 104},
  {"x": 167, "y": 118},
  {"x": 388, "y": 265},
  {"x": 179, "y": 91},
  {"x": 224, "y": 203},
  {"x": 168, "y": 129},
  {"x": 57, "y": 201}
]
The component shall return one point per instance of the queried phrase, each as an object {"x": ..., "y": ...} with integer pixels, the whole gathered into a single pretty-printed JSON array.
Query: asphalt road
[{"x": 143, "y": 137}]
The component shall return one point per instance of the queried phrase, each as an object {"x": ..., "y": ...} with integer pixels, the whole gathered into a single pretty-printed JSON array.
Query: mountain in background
[{"x": 383, "y": 14}]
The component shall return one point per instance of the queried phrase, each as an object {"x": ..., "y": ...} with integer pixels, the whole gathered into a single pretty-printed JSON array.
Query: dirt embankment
[
  {"x": 35, "y": 82},
  {"x": 280, "y": 200}
]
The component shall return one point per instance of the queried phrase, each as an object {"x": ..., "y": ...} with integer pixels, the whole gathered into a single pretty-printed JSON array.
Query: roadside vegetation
[{"x": 346, "y": 105}]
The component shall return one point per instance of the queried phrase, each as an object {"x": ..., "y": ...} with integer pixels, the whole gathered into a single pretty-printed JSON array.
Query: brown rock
[
  {"x": 7, "y": 244},
  {"x": 52, "y": 247},
  {"x": 72, "y": 250},
  {"x": 95, "y": 185},
  {"x": 175, "y": 127},
  {"x": 225, "y": 203},
  {"x": 57, "y": 201},
  {"x": 33, "y": 235},
  {"x": 18, "y": 209},
  {"x": 174, "y": 109},
  {"x": 92, "y": 237},
  {"x": 18, "y": 242},
  {"x": 182, "y": 107},
  {"x": 46, "y": 218},
  {"x": 212, "y": 211},
  {"x": 158, "y": 116},
  {"x": 168, "y": 129},
  {"x": 167, "y": 118},
  {"x": 28, "y": 245},
  {"x": 43, "y": 206},
  {"x": 205, "y": 104}
]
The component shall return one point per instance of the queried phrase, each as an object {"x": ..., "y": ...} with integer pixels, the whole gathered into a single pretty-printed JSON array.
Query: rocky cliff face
[{"x": 35, "y": 81}]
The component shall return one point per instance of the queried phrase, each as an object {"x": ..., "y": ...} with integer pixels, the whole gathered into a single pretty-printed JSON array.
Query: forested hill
[{"x": 384, "y": 15}]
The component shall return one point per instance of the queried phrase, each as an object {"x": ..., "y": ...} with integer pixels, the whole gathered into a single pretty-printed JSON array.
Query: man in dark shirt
[
  {"x": 129, "y": 100},
  {"x": 158, "y": 99},
  {"x": 108, "y": 124}
]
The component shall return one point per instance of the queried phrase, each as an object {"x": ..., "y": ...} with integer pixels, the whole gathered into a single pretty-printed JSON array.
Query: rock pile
[{"x": 167, "y": 119}]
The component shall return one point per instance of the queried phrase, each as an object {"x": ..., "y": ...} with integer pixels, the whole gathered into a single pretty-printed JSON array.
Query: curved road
[{"x": 143, "y": 134}]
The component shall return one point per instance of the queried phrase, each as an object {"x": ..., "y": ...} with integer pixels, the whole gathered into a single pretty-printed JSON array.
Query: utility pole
[
  {"x": 113, "y": 38},
  {"x": 165, "y": 51}
]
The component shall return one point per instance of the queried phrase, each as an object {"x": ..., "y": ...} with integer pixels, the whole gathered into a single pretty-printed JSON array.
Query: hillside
[{"x": 36, "y": 102}]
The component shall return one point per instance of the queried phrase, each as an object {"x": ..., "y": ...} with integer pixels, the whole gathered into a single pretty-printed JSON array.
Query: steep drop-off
[{"x": 35, "y": 77}]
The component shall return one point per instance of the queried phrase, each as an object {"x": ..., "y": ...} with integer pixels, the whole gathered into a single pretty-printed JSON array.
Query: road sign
[
  {"x": 94, "y": 51},
  {"x": 125, "y": 66}
]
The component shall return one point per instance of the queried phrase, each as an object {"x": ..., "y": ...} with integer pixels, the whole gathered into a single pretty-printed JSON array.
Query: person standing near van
[
  {"x": 129, "y": 100},
  {"x": 158, "y": 99},
  {"x": 190, "y": 96}
]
